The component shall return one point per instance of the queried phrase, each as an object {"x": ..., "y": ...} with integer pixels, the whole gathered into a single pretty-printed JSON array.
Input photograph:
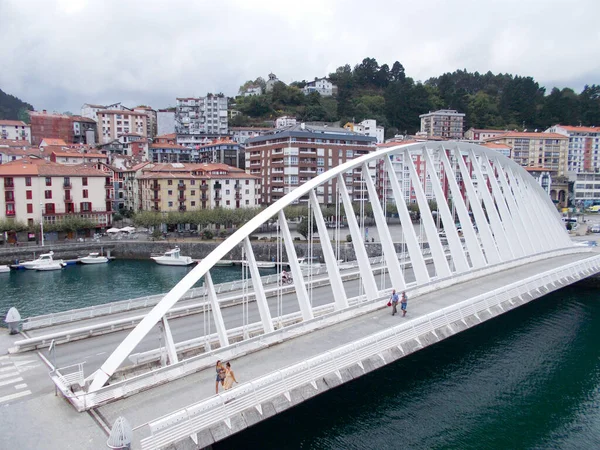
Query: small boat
[
  {"x": 173, "y": 258},
  {"x": 224, "y": 263},
  {"x": 309, "y": 262},
  {"x": 93, "y": 258},
  {"x": 55, "y": 265},
  {"x": 4, "y": 268},
  {"x": 262, "y": 264},
  {"x": 44, "y": 259}
]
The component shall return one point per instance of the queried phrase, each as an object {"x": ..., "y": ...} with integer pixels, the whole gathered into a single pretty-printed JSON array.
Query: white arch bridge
[{"x": 498, "y": 224}]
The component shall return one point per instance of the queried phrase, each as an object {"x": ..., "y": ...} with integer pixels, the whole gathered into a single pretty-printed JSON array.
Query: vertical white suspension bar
[
  {"x": 364, "y": 266},
  {"x": 410, "y": 237},
  {"x": 301, "y": 292},
  {"x": 504, "y": 246},
  {"x": 216, "y": 310},
  {"x": 542, "y": 225},
  {"x": 169, "y": 343},
  {"x": 473, "y": 246},
  {"x": 456, "y": 248},
  {"x": 337, "y": 286},
  {"x": 489, "y": 244},
  {"x": 508, "y": 221},
  {"x": 530, "y": 222},
  {"x": 516, "y": 212},
  {"x": 259, "y": 290},
  {"x": 433, "y": 238},
  {"x": 387, "y": 244}
]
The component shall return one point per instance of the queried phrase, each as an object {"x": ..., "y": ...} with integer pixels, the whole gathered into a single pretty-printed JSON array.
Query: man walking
[
  {"x": 403, "y": 302},
  {"x": 394, "y": 300}
]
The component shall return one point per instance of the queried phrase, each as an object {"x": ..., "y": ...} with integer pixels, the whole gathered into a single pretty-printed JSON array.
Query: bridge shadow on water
[{"x": 529, "y": 379}]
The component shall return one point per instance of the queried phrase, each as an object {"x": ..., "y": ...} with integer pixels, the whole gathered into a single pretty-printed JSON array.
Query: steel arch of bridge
[{"x": 512, "y": 217}]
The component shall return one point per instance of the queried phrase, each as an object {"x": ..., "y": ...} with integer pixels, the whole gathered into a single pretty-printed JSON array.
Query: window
[
  {"x": 84, "y": 181},
  {"x": 170, "y": 182},
  {"x": 27, "y": 181},
  {"x": 85, "y": 193},
  {"x": 170, "y": 192},
  {"x": 247, "y": 191},
  {"x": 193, "y": 203},
  {"x": 226, "y": 181},
  {"x": 48, "y": 181},
  {"x": 47, "y": 194},
  {"x": 227, "y": 190},
  {"x": 170, "y": 203},
  {"x": 247, "y": 202},
  {"x": 193, "y": 183},
  {"x": 247, "y": 182},
  {"x": 192, "y": 193},
  {"x": 29, "y": 208},
  {"x": 28, "y": 195},
  {"x": 227, "y": 202},
  {"x": 85, "y": 206}
]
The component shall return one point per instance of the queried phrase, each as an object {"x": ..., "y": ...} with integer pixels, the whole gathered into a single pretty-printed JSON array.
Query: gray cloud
[{"x": 58, "y": 54}]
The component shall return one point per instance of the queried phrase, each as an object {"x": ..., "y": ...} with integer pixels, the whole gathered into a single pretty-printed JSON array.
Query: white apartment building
[
  {"x": 242, "y": 134},
  {"x": 321, "y": 85},
  {"x": 165, "y": 122},
  {"x": 285, "y": 121},
  {"x": 35, "y": 188},
  {"x": 475, "y": 134},
  {"x": 15, "y": 130},
  {"x": 91, "y": 111},
  {"x": 586, "y": 189},
  {"x": 152, "y": 122},
  {"x": 367, "y": 127},
  {"x": 584, "y": 143},
  {"x": 113, "y": 123},
  {"x": 253, "y": 90},
  {"x": 202, "y": 115},
  {"x": 444, "y": 123}
]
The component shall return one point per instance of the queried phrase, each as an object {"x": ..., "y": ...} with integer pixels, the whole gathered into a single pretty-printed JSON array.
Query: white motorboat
[
  {"x": 93, "y": 258},
  {"x": 262, "y": 264},
  {"x": 55, "y": 265},
  {"x": 173, "y": 258},
  {"x": 4, "y": 268},
  {"x": 309, "y": 262},
  {"x": 224, "y": 263},
  {"x": 44, "y": 259}
]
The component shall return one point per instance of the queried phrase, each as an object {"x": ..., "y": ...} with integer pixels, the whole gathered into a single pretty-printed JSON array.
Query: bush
[
  {"x": 207, "y": 234},
  {"x": 348, "y": 238}
]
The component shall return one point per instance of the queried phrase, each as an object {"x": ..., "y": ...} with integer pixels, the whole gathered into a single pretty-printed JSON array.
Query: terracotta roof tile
[
  {"x": 12, "y": 143},
  {"x": 41, "y": 167},
  {"x": 52, "y": 141},
  {"x": 525, "y": 135},
  {"x": 573, "y": 129},
  {"x": 13, "y": 123}
]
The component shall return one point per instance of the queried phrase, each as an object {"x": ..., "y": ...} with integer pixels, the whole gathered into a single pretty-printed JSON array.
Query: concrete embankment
[{"x": 263, "y": 251}]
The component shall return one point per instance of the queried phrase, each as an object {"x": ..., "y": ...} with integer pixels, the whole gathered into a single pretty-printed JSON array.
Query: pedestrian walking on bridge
[
  {"x": 394, "y": 300},
  {"x": 403, "y": 303}
]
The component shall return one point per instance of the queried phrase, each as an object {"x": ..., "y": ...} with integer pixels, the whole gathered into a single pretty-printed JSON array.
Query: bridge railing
[{"x": 188, "y": 421}]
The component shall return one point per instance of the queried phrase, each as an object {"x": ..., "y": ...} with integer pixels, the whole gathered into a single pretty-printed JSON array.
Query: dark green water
[
  {"x": 77, "y": 286},
  {"x": 529, "y": 379}
]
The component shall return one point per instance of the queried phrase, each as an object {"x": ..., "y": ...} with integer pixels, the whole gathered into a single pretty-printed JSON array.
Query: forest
[
  {"x": 13, "y": 108},
  {"x": 372, "y": 91}
]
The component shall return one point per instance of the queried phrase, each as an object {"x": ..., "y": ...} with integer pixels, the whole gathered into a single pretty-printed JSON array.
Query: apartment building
[
  {"x": 503, "y": 149},
  {"x": 584, "y": 143},
  {"x": 165, "y": 152},
  {"x": 242, "y": 134},
  {"x": 13, "y": 150},
  {"x": 479, "y": 135},
  {"x": 201, "y": 116},
  {"x": 15, "y": 130},
  {"x": 85, "y": 130},
  {"x": 165, "y": 121},
  {"x": 34, "y": 188},
  {"x": 444, "y": 123},
  {"x": 151, "y": 122},
  {"x": 368, "y": 127},
  {"x": 112, "y": 123},
  {"x": 586, "y": 189},
  {"x": 288, "y": 157},
  {"x": 62, "y": 155},
  {"x": 91, "y": 111},
  {"x": 285, "y": 121},
  {"x": 70, "y": 129},
  {"x": 546, "y": 150},
  {"x": 222, "y": 151},
  {"x": 190, "y": 187}
]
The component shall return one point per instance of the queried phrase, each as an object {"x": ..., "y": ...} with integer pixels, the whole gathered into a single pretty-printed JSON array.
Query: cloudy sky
[{"x": 59, "y": 54}]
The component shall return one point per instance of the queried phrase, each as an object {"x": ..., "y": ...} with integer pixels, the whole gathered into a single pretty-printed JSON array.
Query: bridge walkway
[{"x": 146, "y": 406}]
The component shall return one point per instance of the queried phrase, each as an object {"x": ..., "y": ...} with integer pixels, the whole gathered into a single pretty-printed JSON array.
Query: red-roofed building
[
  {"x": 63, "y": 155},
  {"x": 584, "y": 145},
  {"x": 30, "y": 184},
  {"x": 170, "y": 138},
  {"x": 15, "y": 130},
  {"x": 190, "y": 187},
  {"x": 503, "y": 149},
  {"x": 547, "y": 150},
  {"x": 475, "y": 134},
  {"x": 112, "y": 123},
  {"x": 70, "y": 129}
]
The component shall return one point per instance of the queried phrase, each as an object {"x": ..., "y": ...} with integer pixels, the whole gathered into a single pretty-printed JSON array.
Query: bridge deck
[{"x": 164, "y": 399}]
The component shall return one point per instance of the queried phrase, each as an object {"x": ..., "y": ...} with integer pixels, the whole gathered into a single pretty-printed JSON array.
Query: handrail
[{"x": 220, "y": 408}]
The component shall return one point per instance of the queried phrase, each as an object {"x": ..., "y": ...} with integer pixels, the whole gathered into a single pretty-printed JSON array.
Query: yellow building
[{"x": 190, "y": 187}]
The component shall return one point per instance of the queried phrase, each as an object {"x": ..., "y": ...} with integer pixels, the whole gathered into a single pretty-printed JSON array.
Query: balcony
[
  {"x": 156, "y": 187},
  {"x": 237, "y": 187},
  {"x": 238, "y": 196},
  {"x": 181, "y": 198},
  {"x": 204, "y": 197},
  {"x": 10, "y": 213},
  {"x": 68, "y": 199},
  {"x": 9, "y": 186},
  {"x": 181, "y": 187},
  {"x": 204, "y": 187},
  {"x": 67, "y": 185},
  {"x": 218, "y": 197}
]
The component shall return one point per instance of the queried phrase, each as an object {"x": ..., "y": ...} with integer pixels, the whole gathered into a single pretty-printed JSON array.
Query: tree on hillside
[{"x": 13, "y": 108}]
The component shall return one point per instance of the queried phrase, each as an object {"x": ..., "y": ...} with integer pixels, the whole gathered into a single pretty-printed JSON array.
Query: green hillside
[{"x": 13, "y": 108}]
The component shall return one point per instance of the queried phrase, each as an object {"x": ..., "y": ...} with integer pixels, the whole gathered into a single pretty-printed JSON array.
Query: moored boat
[
  {"x": 55, "y": 265},
  {"x": 262, "y": 264},
  {"x": 93, "y": 258},
  {"x": 224, "y": 263},
  {"x": 4, "y": 268},
  {"x": 173, "y": 258},
  {"x": 44, "y": 259}
]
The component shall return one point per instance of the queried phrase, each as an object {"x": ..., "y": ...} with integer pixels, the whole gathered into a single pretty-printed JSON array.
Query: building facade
[
  {"x": 165, "y": 121},
  {"x": 544, "y": 150},
  {"x": 91, "y": 111},
  {"x": 586, "y": 189},
  {"x": 444, "y": 123},
  {"x": 321, "y": 85},
  {"x": 85, "y": 130},
  {"x": 285, "y": 121},
  {"x": 368, "y": 127},
  {"x": 289, "y": 157},
  {"x": 191, "y": 187},
  {"x": 35, "y": 188},
  {"x": 474, "y": 134},
  {"x": 201, "y": 116},
  {"x": 242, "y": 134},
  {"x": 584, "y": 143},
  {"x": 112, "y": 123},
  {"x": 152, "y": 121},
  {"x": 53, "y": 126},
  {"x": 15, "y": 130}
]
